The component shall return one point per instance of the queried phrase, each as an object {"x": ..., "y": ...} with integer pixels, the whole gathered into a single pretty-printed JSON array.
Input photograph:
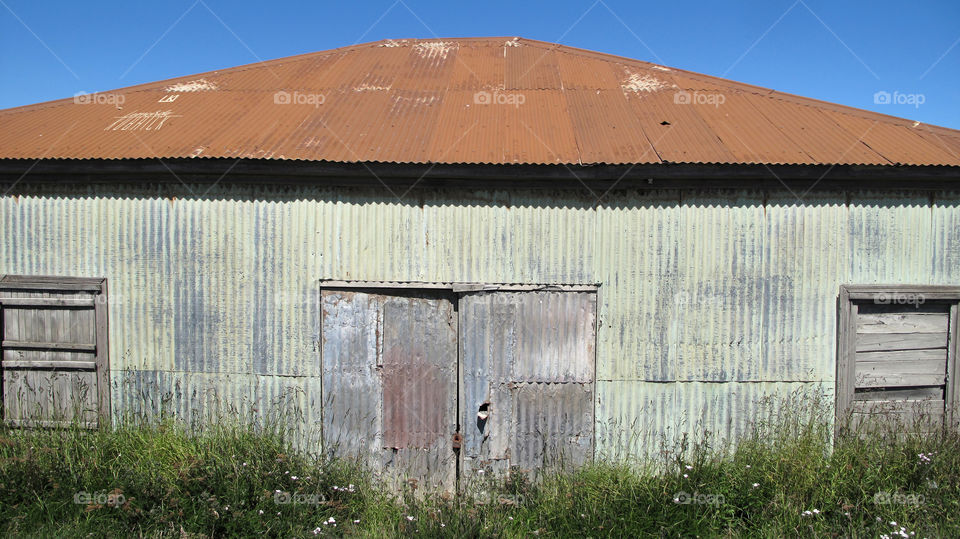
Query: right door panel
[{"x": 528, "y": 379}]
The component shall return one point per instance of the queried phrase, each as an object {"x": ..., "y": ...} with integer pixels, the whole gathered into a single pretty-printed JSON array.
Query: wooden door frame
[
  {"x": 848, "y": 310},
  {"x": 96, "y": 285}
]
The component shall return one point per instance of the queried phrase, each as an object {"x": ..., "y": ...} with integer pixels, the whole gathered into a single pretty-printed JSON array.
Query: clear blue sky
[{"x": 840, "y": 51}]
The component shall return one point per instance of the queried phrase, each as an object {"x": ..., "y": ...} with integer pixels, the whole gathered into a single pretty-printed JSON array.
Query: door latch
[{"x": 457, "y": 441}]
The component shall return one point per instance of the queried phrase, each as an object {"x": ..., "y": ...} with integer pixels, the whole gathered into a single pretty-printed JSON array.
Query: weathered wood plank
[
  {"x": 914, "y": 407},
  {"x": 47, "y": 303},
  {"x": 35, "y": 364},
  {"x": 902, "y": 323},
  {"x": 905, "y": 393},
  {"x": 846, "y": 348},
  {"x": 49, "y": 346},
  {"x": 930, "y": 293},
  {"x": 872, "y": 342},
  {"x": 899, "y": 380},
  {"x": 953, "y": 377},
  {"x": 934, "y": 354}
]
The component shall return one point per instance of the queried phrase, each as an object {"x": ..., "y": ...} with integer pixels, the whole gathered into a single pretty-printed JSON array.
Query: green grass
[{"x": 161, "y": 479}]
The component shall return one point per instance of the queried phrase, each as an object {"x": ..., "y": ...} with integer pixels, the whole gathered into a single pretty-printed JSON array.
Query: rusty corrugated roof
[{"x": 473, "y": 100}]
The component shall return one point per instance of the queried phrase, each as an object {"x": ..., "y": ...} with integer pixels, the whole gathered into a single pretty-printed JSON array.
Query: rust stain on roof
[{"x": 472, "y": 100}]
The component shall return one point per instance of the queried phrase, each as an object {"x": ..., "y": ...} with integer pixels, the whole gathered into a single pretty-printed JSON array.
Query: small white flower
[
  {"x": 685, "y": 475},
  {"x": 244, "y": 463},
  {"x": 510, "y": 518},
  {"x": 260, "y": 512},
  {"x": 356, "y": 521},
  {"x": 293, "y": 477},
  {"x": 688, "y": 467},
  {"x": 755, "y": 485},
  {"x": 316, "y": 531},
  {"x": 748, "y": 466},
  {"x": 410, "y": 518},
  {"x": 816, "y": 511},
  {"x": 893, "y": 522}
]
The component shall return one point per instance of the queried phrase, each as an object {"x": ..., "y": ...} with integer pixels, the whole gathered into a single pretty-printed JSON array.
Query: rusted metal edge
[
  {"x": 460, "y": 288},
  {"x": 652, "y": 176}
]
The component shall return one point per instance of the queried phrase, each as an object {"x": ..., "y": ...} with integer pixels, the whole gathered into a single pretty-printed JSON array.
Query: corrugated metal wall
[{"x": 709, "y": 300}]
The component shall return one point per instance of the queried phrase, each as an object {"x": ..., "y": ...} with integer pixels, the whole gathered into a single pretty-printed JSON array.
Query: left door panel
[{"x": 390, "y": 383}]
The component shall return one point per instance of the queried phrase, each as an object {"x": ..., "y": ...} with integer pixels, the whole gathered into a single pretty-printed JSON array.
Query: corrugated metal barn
[{"x": 453, "y": 255}]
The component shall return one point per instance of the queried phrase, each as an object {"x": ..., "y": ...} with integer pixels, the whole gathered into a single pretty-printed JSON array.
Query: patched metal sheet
[
  {"x": 389, "y": 384},
  {"x": 352, "y": 391},
  {"x": 553, "y": 426},
  {"x": 528, "y": 363},
  {"x": 419, "y": 372}
]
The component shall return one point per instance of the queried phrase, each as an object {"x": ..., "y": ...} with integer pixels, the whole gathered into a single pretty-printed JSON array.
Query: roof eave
[{"x": 23, "y": 172}]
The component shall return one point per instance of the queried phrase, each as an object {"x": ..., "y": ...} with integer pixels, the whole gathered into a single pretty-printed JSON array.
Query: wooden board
[
  {"x": 925, "y": 415},
  {"x": 870, "y": 342},
  {"x": 902, "y": 322},
  {"x": 905, "y": 393}
]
